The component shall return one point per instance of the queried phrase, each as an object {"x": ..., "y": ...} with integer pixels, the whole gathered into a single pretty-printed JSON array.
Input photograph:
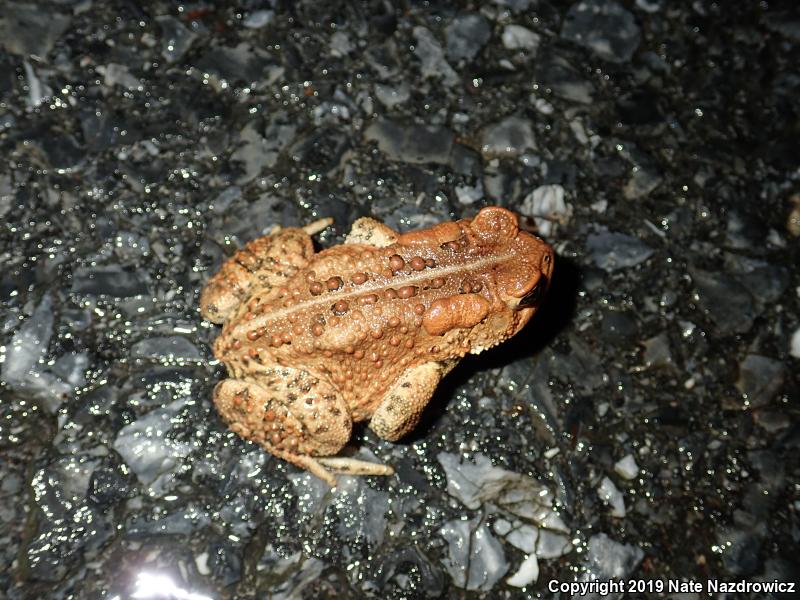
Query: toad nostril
[{"x": 547, "y": 264}]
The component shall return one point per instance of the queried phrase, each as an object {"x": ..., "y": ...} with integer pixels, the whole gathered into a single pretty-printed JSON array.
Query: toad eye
[{"x": 533, "y": 296}]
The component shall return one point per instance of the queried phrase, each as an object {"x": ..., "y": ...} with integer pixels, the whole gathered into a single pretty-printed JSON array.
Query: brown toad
[{"x": 364, "y": 331}]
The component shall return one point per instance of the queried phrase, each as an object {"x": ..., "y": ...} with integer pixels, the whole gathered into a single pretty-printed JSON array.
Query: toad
[{"x": 314, "y": 342}]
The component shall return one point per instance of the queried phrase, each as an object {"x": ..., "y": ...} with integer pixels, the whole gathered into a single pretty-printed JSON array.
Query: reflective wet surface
[{"x": 643, "y": 426}]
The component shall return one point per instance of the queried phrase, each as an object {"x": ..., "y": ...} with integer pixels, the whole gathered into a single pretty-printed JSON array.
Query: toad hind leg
[
  {"x": 400, "y": 410},
  {"x": 294, "y": 416},
  {"x": 269, "y": 260},
  {"x": 371, "y": 232}
]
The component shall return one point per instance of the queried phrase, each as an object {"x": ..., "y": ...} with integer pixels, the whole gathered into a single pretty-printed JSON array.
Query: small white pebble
[
  {"x": 524, "y": 537},
  {"x": 516, "y": 37},
  {"x": 259, "y": 19},
  {"x": 552, "y": 545},
  {"x": 626, "y": 467},
  {"x": 528, "y": 572},
  {"x": 501, "y": 527},
  {"x": 201, "y": 561},
  {"x": 551, "y": 452},
  {"x": 468, "y": 194},
  {"x": 542, "y": 105},
  {"x": 609, "y": 493},
  {"x": 794, "y": 346}
]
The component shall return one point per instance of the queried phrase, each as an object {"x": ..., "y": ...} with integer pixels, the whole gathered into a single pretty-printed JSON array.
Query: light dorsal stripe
[{"x": 481, "y": 264}]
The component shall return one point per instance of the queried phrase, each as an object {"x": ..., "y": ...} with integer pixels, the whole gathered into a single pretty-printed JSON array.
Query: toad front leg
[
  {"x": 296, "y": 417},
  {"x": 401, "y": 407}
]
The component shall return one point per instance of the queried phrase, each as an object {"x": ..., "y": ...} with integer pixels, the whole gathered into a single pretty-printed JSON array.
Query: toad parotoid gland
[{"x": 364, "y": 331}]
